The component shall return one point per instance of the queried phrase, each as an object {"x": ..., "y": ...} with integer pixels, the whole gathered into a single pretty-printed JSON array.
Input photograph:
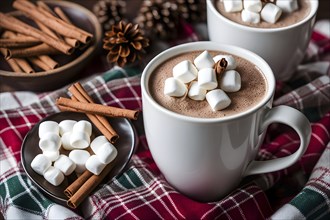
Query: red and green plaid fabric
[{"x": 301, "y": 191}]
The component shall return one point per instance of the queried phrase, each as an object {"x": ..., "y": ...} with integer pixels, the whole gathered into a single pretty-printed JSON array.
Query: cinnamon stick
[
  {"x": 49, "y": 61},
  {"x": 38, "y": 62},
  {"x": 18, "y": 42},
  {"x": 88, "y": 187},
  {"x": 99, "y": 109},
  {"x": 14, "y": 66},
  {"x": 13, "y": 24},
  {"x": 23, "y": 65},
  {"x": 75, "y": 186},
  {"x": 41, "y": 49},
  {"x": 81, "y": 95},
  {"x": 51, "y": 21}
]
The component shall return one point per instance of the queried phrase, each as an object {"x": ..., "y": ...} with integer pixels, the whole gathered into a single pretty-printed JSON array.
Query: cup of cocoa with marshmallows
[
  {"x": 206, "y": 107},
  {"x": 278, "y": 31}
]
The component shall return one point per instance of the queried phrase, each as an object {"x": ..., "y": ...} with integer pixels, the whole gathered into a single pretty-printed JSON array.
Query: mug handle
[{"x": 293, "y": 118}]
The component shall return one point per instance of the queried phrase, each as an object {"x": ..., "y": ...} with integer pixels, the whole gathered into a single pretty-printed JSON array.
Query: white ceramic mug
[
  {"x": 282, "y": 48},
  {"x": 205, "y": 158}
]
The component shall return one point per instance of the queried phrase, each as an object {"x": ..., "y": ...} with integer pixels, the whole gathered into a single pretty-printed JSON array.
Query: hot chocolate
[
  {"x": 286, "y": 19},
  {"x": 253, "y": 88}
]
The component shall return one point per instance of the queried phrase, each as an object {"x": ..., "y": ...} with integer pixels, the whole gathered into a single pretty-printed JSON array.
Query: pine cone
[
  {"x": 109, "y": 12},
  {"x": 158, "y": 18},
  {"x": 192, "y": 10},
  {"x": 125, "y": 43}
]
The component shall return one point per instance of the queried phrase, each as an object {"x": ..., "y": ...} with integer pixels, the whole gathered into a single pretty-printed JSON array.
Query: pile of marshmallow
[
  {"x": 74, "y": 136},
  {"x": 185, "y": 74},
  {"x": 252, "y": 11}
]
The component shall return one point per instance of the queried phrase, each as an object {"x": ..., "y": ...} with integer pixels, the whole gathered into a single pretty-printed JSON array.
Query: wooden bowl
[{"x": 70, "y": 65}]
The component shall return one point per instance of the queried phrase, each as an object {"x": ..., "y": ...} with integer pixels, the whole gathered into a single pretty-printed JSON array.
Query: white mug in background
[
  {"x": 206, "y": 158},
  {"x": 282, "y": 48}
]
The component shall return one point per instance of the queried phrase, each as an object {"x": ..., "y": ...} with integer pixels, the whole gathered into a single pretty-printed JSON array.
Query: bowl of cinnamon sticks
[{"x": 45, "y": 44}]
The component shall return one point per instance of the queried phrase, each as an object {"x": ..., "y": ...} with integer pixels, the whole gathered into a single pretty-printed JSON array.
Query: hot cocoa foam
[
  {"x": 253, "y": 89},
  {"x": 286, "y": 19}
]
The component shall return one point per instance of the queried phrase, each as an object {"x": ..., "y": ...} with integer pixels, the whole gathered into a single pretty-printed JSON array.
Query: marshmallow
[
  {"x": 207, "y": 79},
  {"x": 65, "y": 165},
  {"x": 196, "y": 92},
  {"x": 174, "y": 87},
  {"x": 106, "y": 153},
  {"x": 40, "y": 164},
  {"x": 250, "y": 17},
  {"x": 79, "y": 140},
  {"x": 271, "y": 13},
  {"x": 94, "y": 165},
  {"x": 217, "y": 99},
  {"x": 98, "y": 142},
  {"x": 233, "y": 5},
  {"x": 65, "y": 139},
  {"x": 185, "y": 71},
  {"x": 51, "y": 155},
  {"x": 231, "y": 62},
  {"x": 79, "y": 157},
  {"x": 50, "y": 142},
  {"x": 230, "y": 81},
  {"x": 48, "y": 126},
  {"x": 252, "y": 5},
  {"x": 54, "y": 176},
  {"x": 83, "y": 126},
  {"x": 66, "y": 126},
  {"x": 288, "y": 6},
  {"x": 204, "y": 60}
]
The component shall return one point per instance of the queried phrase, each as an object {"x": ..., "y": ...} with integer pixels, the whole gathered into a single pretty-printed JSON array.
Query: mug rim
[
  {"x": 312, "y": 13},
  {"x": 208, "y": 45}
]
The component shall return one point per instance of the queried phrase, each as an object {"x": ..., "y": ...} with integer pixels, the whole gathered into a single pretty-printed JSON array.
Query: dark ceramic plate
[
  {"x": 125, "y": 145},
  {"x": 70, "y": 65}
]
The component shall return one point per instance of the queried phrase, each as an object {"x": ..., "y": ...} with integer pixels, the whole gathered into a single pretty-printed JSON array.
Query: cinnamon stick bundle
[
  {"x": 13, "y": 24},
  {"x": 18, "y": 64},
  {"x": 87, "y": 186},
  {"x": 74, "y": 187},
  {"x": 99, "y": 109},
  {"x": 78, "y": 93},
  {"x": 51, "y": 21}
]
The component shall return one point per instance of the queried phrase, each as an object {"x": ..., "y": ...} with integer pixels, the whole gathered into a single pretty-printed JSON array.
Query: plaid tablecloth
[{"x": 301, "y": 191}]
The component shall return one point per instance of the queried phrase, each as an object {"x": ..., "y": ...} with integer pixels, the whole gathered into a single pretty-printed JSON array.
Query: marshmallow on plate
[
  {"x": 66, "y": 126},
  {"x": 79, "y": 139},
  {"x": 185, "y": 71},
  {"x": 174, "y": 87},
  {"x": 50, "y": 142},
  {"x": 66, "y": 141},
  {"x": 83, "y": 126},
  {"x": 48, "y": 126},
  {"x": 52, "y": 155},
  {"x": 204, "y": 60},
  {"x": 94, "y": 165},
  {"x": 233, "y": 6},
  {"x": 98, "y": 142},
  {"x": 217, "y": 99},
  {"x": 207, "y": 78},
  {"x": 54, "y": 176},
  {"x": 288, "y": 6},
  {"x": 40, "y": 164},
  {"x": 65, "y": 165},
  {"x": 231, "y": 62},
  {"x": 106, "y": 153},
  {"x": 79, "y": 157},
  {"x": 271, "y": 13},
  {"x": 230, "y": 81},
  {"x": 252, "y": 5},
  {"x": 250, "y": 16},
  {"x": 196, "y": 92}
]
